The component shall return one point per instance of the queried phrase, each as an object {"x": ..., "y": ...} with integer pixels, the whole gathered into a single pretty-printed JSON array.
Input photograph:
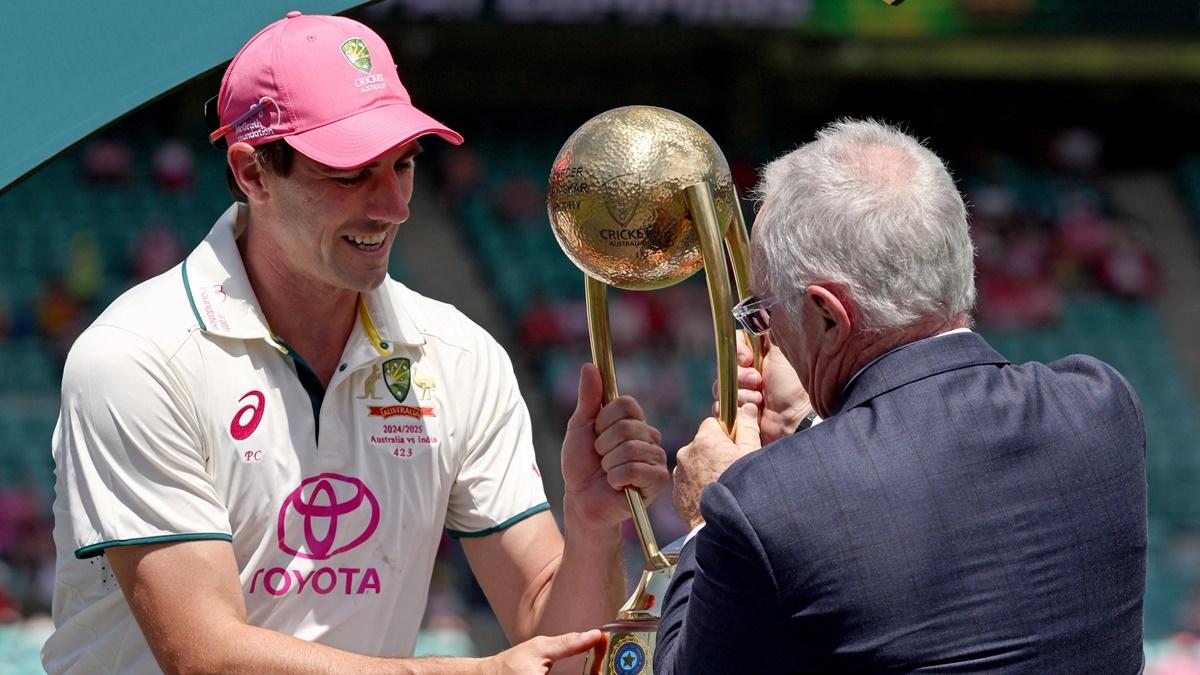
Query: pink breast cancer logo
[{"x": 326, "y": 515}]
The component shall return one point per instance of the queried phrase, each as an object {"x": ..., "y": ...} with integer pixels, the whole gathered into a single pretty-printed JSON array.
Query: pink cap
[{"x": 325, "y": 84}]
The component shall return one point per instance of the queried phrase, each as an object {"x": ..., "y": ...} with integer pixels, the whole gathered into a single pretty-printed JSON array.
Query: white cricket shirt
[{"x": 183, "y": 418}]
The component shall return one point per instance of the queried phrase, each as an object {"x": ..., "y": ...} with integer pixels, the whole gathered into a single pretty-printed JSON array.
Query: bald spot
[{"x": 879, "y": 166}]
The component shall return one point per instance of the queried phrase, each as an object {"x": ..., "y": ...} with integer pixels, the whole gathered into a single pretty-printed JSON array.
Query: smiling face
[{"x": 334, "y": 228}]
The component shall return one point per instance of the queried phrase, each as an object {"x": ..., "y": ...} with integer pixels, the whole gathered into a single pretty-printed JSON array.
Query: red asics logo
[{"x": 239, "y": 427}]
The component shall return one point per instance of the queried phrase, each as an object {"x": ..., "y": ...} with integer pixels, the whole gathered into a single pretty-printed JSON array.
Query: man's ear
[
  {"x": 247, "y": 171},
  {"x": 832, "y": 308}
]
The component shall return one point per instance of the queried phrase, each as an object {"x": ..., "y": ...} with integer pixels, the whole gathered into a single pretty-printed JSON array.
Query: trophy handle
[
  {"x": 737, "y": 240},
  {"x": 700, "y": 202},
  {"x": 634, "y": 633},
  {"x": 596, "y": 292}
]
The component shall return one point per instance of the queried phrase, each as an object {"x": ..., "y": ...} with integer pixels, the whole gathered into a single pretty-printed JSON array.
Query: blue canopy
[{"x": 68, "y": 67}]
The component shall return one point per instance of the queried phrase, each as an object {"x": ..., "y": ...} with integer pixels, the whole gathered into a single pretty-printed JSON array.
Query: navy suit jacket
[{"x": 958, "y": 514}]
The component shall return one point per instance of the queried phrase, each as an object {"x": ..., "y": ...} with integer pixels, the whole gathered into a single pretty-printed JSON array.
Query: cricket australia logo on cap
[
  {"x": 356, "y": 52},
  {"x": 397, "y": 374}
]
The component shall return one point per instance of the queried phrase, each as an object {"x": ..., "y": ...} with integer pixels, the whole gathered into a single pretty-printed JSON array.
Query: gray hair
[{"x": 867, "y": 206}]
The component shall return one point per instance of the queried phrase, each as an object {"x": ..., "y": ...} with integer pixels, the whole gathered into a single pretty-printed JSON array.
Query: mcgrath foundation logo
[
  {"x": 355, "y": 51},
  {"x": 260, "y": 120},
  {"x": 327, "y": 515}
]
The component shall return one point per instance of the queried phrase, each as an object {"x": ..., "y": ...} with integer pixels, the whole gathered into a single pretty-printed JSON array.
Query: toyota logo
[{"x": 326, "y": 515}]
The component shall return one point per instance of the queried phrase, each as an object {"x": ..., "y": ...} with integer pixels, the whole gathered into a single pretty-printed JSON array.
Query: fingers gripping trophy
[{"x": 641, "y": 198}]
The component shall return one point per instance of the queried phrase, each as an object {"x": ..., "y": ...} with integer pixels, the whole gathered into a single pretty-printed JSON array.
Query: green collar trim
[{"x": 187, "y": 287}]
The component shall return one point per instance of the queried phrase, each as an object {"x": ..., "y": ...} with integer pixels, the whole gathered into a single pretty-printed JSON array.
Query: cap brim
[{"x": 358, "y": 140}]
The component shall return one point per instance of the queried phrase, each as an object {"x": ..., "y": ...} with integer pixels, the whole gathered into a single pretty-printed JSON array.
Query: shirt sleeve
[
  {"x": 127, "y": 449},
  {"x": 499, "y": 483}
]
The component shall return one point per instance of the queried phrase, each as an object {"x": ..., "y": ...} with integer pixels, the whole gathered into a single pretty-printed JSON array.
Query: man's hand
[
  {"x": 708, "y": 455},
  {"x": 607, "y": 449},
  {"x": 540, "y": 653},
  {"x": 776, "y": 391}
]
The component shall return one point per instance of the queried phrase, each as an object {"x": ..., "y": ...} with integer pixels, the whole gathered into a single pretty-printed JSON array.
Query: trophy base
[{"x": 627, "y": 648}]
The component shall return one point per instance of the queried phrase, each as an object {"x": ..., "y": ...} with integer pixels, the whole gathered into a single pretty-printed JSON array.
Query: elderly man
[{"x": 954, "y": 512}]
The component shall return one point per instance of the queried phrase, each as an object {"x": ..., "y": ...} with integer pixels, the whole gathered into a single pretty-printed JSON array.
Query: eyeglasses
[
  {"x": 754, "y": 315},
  {"x": 254, "y": 110}
]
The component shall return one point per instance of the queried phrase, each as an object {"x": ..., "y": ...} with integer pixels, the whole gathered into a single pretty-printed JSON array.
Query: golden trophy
[{"x": 640, "y": 198}]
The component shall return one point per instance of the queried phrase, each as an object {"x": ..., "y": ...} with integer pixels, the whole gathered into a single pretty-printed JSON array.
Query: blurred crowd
[
  {"x": 1047, "y": 230},
  {"x": 1179, "y": 654},
  {"x": 67, "y": 298},
  {"x": 73, "y": 292},
  {"x": 1043, "y": 226}
]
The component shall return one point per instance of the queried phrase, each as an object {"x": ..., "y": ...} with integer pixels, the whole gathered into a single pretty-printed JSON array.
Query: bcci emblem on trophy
[{"x": 629, "y": 657}]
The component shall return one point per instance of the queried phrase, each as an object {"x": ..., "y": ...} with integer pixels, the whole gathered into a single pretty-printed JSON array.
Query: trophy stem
[
  {"x": 700, "y": 202},
  {"x": 596, "y": 294},
  {"x": 597, "y": 309},
  {"x": 737, "y": 240}
]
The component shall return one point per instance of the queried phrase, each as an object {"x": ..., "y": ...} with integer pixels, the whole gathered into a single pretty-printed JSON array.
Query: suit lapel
[{"x": 918, "y": 360}]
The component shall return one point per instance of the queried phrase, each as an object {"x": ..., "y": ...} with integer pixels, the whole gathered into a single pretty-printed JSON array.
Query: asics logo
[{"x": 246, "y": 419}]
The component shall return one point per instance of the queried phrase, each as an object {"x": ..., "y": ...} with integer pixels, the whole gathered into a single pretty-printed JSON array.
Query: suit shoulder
[
  {"x": 749, "y": 469},
  {"x": 1083, "y": 365},
  {"x": 766, "y": 462},
  {"x": 767, "y": 478},
  {"x": 1097, "y": 376},
  {"x": 1094, "y": 379},
  {"x": 812, "y": 465}
]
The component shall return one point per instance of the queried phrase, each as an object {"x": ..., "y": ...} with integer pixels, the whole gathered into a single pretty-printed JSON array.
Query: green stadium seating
[{"x": 522, "y": 262}]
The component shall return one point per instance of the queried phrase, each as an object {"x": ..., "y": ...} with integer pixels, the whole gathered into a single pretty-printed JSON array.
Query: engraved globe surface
[{"x": 616, "y": 200}]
